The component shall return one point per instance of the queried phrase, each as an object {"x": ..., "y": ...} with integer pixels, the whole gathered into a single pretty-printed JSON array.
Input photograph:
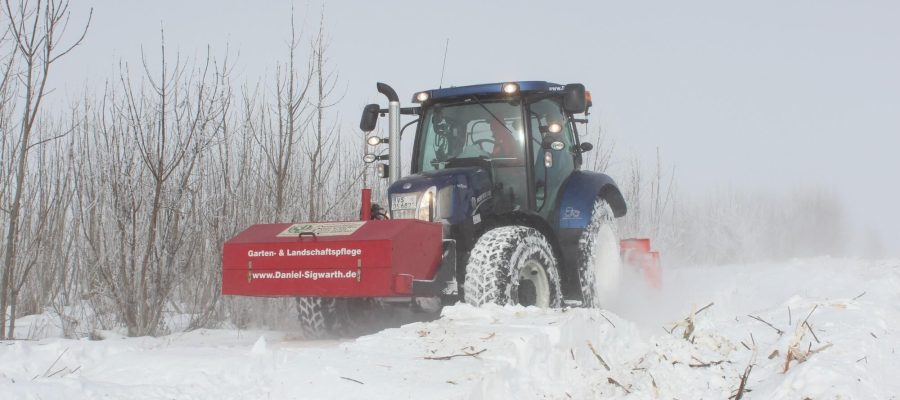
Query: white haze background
[{"x": 759, "y": 97}]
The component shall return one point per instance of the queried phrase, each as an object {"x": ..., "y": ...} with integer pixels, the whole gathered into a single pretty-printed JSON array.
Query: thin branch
[
  {"x": 614, "y": 382},
  {"x": 80, "y": 38},
  {"x": 702, "y": 364},
  {"x": 61, "y": 135},
  {"x": 808, "y": 326},
  {"x": 704, "y": 307},
  {"x": 743, "y": 386},
  {"x": 596, "y": 354},
  {"x": 780, "y": 332},
  {"x": 810, "y": 313},
  {"x": 352, "y": 380},
  {"x": 464, "y": 354},
  {"x": 55, "y": 361},
  {"x": 610, "y": 322}
]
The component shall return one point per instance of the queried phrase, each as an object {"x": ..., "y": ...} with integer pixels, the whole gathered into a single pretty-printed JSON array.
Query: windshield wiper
[{"x": 492, "y": 115}]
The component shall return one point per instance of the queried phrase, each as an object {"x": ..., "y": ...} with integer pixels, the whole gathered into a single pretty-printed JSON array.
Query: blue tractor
[{"x": 499, "y": 166}]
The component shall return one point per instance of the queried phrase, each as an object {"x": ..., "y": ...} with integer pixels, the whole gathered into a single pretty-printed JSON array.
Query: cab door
[{"x": 553, "y": 151}]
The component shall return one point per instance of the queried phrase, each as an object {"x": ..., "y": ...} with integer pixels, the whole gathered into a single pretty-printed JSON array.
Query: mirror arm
[{"x": 407, "y": 126}]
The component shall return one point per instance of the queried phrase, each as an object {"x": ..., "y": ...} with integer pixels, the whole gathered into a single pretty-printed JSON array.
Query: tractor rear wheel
[
  {"x": 317, "y": 317},
  {"x": 512, "y": 265},
  {"x": 325, "y": 317},
  {"x": 600, "y": 271}
]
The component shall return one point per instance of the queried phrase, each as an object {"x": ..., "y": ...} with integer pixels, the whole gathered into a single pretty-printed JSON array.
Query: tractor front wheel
[
  {"x": 601, "y": 264},
  {"x": 512, "y": 265}
]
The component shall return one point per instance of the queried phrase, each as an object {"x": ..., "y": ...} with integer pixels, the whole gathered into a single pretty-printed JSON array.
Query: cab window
[
  {"x": 479, "y": 133},
  {"x": 488, "y": 130},
  {"x": 549, "y": 124}
]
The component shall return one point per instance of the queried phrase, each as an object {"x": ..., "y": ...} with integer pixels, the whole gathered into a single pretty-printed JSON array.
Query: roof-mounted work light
[{"x": 510, "y": 88}]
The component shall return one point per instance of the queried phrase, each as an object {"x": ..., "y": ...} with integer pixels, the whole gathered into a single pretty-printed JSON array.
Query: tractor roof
[{"x": 488, "y": 89}]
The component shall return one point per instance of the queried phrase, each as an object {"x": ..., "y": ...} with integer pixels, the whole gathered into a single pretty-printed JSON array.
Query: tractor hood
[{"x": 453, "y": 194}]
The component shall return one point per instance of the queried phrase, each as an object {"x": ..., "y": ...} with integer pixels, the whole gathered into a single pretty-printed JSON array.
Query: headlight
[
  {"x": 420, "y": 205},
  {"x": 426, "y": 205}
]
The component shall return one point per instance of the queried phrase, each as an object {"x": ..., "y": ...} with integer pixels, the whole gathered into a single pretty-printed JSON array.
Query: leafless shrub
[
  {"x": 148, "y": 142},
  {"x": 32, "y": 43}
]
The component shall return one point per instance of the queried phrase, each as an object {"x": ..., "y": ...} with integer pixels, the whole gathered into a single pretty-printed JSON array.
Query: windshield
[{"x": 490, "y": 130}]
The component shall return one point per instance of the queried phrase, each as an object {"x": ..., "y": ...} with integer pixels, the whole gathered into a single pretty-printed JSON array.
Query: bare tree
[
  {"x": 149, "y": 144},
  {"x": 36, "y": 30},
  {"x": 214, "y": 206},
  {"x": 278, "y": 132},
  {"x": 44, "y": 230},
  {"x": 662, "y": 192},
  {"x": 333, "y": 176},
  {"x": 315, "y": 149}
]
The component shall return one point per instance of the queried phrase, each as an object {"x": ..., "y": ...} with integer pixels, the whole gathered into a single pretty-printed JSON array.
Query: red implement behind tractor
[{"x": 336, "y": 259}]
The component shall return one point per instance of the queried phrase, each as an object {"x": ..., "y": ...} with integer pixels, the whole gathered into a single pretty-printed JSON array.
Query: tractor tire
[
  {"x": 512, "y": 265},
  {"x": 317, "y": 317},
  {"x": 359, "y": 316},
  {"x": 600, "y": 270},
  {"x": 325, "y": 317}
]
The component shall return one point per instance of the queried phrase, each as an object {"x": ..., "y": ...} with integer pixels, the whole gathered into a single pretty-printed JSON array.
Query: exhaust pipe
[{"x": 393, "y": 130}]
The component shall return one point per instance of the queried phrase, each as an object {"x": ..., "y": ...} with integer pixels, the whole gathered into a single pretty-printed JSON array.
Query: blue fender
[{"x": 579, "y": 193}]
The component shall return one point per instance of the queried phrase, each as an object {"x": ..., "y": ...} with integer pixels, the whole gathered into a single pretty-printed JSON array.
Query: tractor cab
[{"x": 516, "y": 142}]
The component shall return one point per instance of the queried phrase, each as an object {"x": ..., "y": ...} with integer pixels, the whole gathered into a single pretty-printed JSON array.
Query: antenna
[{"x": 444, "y": 65}]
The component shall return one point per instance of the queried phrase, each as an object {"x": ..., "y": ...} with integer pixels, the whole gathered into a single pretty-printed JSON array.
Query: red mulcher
[{"x": 339, "y": 259}]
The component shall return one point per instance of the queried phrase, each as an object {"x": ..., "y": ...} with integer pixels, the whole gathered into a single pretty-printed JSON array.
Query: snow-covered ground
[{"x": 840, "y": 317}]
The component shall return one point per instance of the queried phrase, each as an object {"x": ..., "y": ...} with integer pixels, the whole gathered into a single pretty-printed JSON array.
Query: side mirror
[
  {"x": 369, "y": 118},
  {"x": 586, "y": 147},
  {"x": 574, "y": 100}
]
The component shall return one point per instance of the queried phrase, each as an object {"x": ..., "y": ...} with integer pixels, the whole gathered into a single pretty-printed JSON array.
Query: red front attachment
[
  {"x": 377, "y": 258},
  {"x": 637, "y": 253}
]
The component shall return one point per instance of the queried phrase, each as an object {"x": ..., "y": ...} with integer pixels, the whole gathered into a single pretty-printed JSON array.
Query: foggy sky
[{"x": 762, "y": 95}]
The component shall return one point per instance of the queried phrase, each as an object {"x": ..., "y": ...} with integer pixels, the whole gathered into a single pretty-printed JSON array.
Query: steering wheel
[{"x": 481, "y": 142}]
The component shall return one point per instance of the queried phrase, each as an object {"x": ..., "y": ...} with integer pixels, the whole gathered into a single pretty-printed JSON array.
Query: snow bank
[
  {"x": 850, "y": 309},
  {"x": 469, "y": 353}
]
